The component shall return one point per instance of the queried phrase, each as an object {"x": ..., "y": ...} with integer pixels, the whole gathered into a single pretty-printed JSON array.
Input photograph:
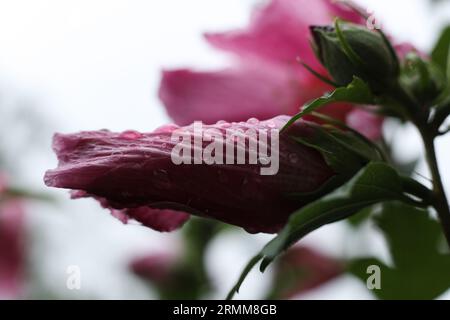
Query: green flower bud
[
  {"x": 424, "y": 79},
  {"x": 350, "y": 50}
]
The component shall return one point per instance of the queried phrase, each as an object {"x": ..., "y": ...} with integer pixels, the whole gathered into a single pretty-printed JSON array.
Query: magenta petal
[
  {"x": 366, "y": 122},
  {"x": 404, "y": 48},
  {"x": 268, "y": 81},
  {"x": 140, "y": 173},
  {"x": 257, "y": 90},
  {"x": 344, "y": 12},
  {"x": 279, "y": 31},
  {"x": 158, "y": 219},
  {"x": 157, "y": 268}
]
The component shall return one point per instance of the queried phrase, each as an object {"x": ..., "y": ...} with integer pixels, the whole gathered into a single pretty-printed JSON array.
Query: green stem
[{"x": 440, "y": 202}]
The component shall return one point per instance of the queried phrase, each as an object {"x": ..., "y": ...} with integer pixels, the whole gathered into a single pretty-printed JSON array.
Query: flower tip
[
  {"x": 51, "y": 179},
  {"x": 62, "y": 144},
  {"x": 214, "y": 39}
]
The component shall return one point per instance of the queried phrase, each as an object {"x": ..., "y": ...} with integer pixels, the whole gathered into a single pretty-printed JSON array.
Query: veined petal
[{"x": 256, "y": 90}]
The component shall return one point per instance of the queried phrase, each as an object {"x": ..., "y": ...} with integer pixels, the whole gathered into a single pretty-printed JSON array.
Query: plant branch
[{"x": 440, "y": 202}]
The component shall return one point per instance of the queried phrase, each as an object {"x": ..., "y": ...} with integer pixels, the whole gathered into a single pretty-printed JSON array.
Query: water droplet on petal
[
  {"x": 264, "y": 160},
  {"x": 253, "y": 121},
  {"x": 271, "y": 124},
  {"x": 130, "y": 135},
  {"x": 167, "y": 128}
]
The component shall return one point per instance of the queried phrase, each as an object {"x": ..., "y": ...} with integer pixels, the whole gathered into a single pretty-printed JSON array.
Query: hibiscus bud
[
  {"x": 357, "y": 52},
  {"x": 424, "y": 79},
  {"x": 134, "y": 170}
]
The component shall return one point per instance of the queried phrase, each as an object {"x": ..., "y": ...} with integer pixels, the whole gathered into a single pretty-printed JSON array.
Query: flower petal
[
  {"x": 156, "y": 219},
  {"x": 257, "y": 90},
  {"x": 278, "y": 31},
  {"x": 367, "y": 123},
  {"x": 159, "y": 219},
  {"x": 156, "y": 267}
]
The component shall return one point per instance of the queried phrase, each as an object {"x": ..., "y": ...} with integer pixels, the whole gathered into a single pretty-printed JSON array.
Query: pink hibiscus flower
[
  {"x": 156, "y": 267},
  {"x": 267, "y": 80},
  {"x": 11, "y": 245}
]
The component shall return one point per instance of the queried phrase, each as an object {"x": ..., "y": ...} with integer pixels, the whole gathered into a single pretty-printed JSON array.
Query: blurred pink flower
[
  {"x": 157, "y": 268},
  {"x": 127, "y": 171},
  {"x": 12, "y": 247},
  {"x": 302, "y": 269},
  {"x": 267, "y": 80}
]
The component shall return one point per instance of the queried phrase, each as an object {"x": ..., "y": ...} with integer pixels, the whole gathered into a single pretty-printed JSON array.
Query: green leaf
[
  {"x": 356, "y": 92},
  {"x": 351, "y": 54},
  {"x": 343, "y": 151},
  {"x": 243, "y": 275},
  {"x": 359, "y": 218},
  {"x": 441, "y": 52},
  {"x": 363, "y": 148},
  {"x": 375, "y": 183},
  {"x": 346, "y": 152},
  {"x": 420, "y": 270}
]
